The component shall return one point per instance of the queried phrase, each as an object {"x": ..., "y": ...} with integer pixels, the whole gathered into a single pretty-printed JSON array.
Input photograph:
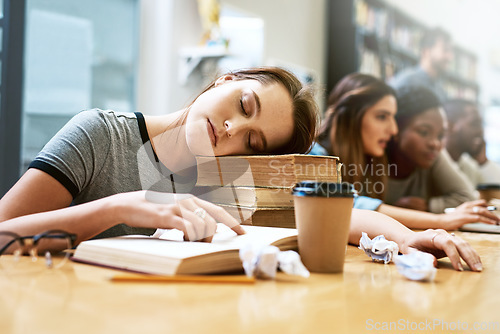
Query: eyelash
[
  {"x": 249, "y": 143},
  {"x": 242, "y": 107}
]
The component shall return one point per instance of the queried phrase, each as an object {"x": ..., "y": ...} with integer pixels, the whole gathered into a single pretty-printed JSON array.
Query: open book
[{"x": 168, "y": 257}]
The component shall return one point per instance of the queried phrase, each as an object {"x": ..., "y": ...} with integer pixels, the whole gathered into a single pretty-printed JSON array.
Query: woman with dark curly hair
[
  {"x": 360, "y": 121},
  {"x": 426, "y": 179}
]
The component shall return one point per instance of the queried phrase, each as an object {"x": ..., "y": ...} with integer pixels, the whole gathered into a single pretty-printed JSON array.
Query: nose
[
  {"x": 436, "y": 143},
  {"x": 393, "y": 127},
  {"x": 233, "y": 127}
]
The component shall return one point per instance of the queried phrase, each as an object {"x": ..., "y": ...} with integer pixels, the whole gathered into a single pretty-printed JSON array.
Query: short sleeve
[
  {"x": 77, "y": 152},
  {"x": 366, "y": 203},
  {"x": 317, "y": 149}
]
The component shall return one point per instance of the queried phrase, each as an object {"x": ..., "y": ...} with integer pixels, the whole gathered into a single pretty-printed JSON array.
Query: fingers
[
  {"x": 189, "y": 218},
  {"x": 479, "y": 202},
  {"x": 197, "y": 227},
  {"x": 196, "y": 218},
  {"x": 476, "y": 211},
  {"x": 221, "y": 215},
  {"x": 200, "y": 225},
  {"x": 484, "y": 212},
  {"x": 444, "y": 242},
  {"x": 477, "y": 218},
  {"x": 456, "y": 248},
  {"x": 479, "y": 214},
  {"x": 468, "y": 253}
]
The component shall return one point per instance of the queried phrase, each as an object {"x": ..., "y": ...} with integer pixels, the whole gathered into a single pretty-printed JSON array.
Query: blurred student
[
  {"x": 426, "y": 178},
  {"x": 435, "y": 54},
  {"x": 465, "y": 142},
  {"x": 88, "y": 178},
  {"x": 359, "y": 123}
]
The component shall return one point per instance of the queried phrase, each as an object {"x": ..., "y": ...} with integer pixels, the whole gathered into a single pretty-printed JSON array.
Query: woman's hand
[
  {"x": 412, "y": 202},
  {"x": 478, "y": 211},
  {"x": 440, "y": 244},
  {"x": 195, "y": 217},
  {"x": 469, "y": 212},
  {"x": 454, "y": 220}
]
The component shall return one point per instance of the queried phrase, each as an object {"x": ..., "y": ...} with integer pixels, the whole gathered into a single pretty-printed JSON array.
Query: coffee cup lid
[
  {"x": 323, "y": 189},
  {"x": 488, "y": 186}
]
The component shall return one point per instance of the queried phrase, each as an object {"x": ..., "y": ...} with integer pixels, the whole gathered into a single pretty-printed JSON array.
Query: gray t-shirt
[
  {"x": 99, "y": 153},
  {"x": 442, "y": 185}
]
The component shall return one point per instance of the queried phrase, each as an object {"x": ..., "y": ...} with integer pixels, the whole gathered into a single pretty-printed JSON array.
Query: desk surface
[{"x": 367, "y": 297}]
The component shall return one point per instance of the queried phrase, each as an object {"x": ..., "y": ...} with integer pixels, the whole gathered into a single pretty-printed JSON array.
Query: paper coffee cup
[
  {"x": 488, "y": 191},
  {"x": 323, "y": 217}
]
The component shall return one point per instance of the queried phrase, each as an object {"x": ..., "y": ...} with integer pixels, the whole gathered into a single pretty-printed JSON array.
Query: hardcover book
[
  {"x": 266, "y": 170},
  {"x": 175, "y": 257}
]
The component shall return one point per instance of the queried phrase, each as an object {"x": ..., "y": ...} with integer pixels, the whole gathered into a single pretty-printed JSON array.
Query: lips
[
  {"x": 211, "y": 133},
  {"x": 431, "y": 156}
]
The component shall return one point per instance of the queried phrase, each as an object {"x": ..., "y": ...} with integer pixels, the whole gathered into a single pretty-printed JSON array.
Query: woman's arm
[
  {"x": 34, "y": 192},
  {"x": 38, "y": 202},
  {"x": 448, "y": 221},
  {"x": 374, "y": 223},
  {"x": 437, "y": 242}
]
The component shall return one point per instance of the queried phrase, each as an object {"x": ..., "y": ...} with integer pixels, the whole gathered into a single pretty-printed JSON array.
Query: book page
[
  {"x": 257, "y": 235},
  {"x": 229, "y": 239}
]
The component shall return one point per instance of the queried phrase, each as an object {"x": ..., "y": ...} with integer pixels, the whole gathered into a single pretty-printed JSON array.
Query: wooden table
[{"x": 367, "y": 297}]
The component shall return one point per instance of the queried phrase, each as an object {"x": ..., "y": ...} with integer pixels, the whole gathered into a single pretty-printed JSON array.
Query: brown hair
[
  {"x": 340, "y": 133},
  {"x": 305, "y": 109}
]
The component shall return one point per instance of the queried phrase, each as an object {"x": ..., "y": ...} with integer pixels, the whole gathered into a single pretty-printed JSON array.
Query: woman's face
[
  {"x": 240, "y": 117},
  {"x": 422, "y": 139},
  {"x": 378, "y": 126}
]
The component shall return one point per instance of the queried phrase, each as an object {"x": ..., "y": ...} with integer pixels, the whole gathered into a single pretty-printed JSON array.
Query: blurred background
[{"x": 59, "y": 57}]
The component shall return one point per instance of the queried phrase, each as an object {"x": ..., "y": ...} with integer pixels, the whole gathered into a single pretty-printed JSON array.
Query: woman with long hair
[
  {"x": 360, "y": 123},
  {"x": 96, "y": 175}
]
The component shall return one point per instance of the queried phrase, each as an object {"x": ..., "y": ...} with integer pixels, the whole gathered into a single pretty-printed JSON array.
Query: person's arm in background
[
  {"x": 448, "y": 221},
  {"x": 437, "y": 242},
  {"x": 423, "y": 220},
  {"x": 453, "y": 186}
]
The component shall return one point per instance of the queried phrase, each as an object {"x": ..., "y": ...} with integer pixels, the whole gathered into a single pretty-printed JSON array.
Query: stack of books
[{"x": 256, "y": 190}]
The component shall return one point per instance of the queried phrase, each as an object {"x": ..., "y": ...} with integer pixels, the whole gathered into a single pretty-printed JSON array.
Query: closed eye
[
  {"x": 253, "y": 143},
  {"x": 250, "y": 145},
  {"x": 243, "y": 111}
]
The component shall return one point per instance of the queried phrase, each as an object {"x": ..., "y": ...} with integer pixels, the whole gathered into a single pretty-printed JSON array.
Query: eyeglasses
[{"x": 13, "y": 246}]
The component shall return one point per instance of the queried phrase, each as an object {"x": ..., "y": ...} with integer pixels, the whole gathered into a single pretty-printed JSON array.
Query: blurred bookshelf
[{"x": 371, "y": 36}]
